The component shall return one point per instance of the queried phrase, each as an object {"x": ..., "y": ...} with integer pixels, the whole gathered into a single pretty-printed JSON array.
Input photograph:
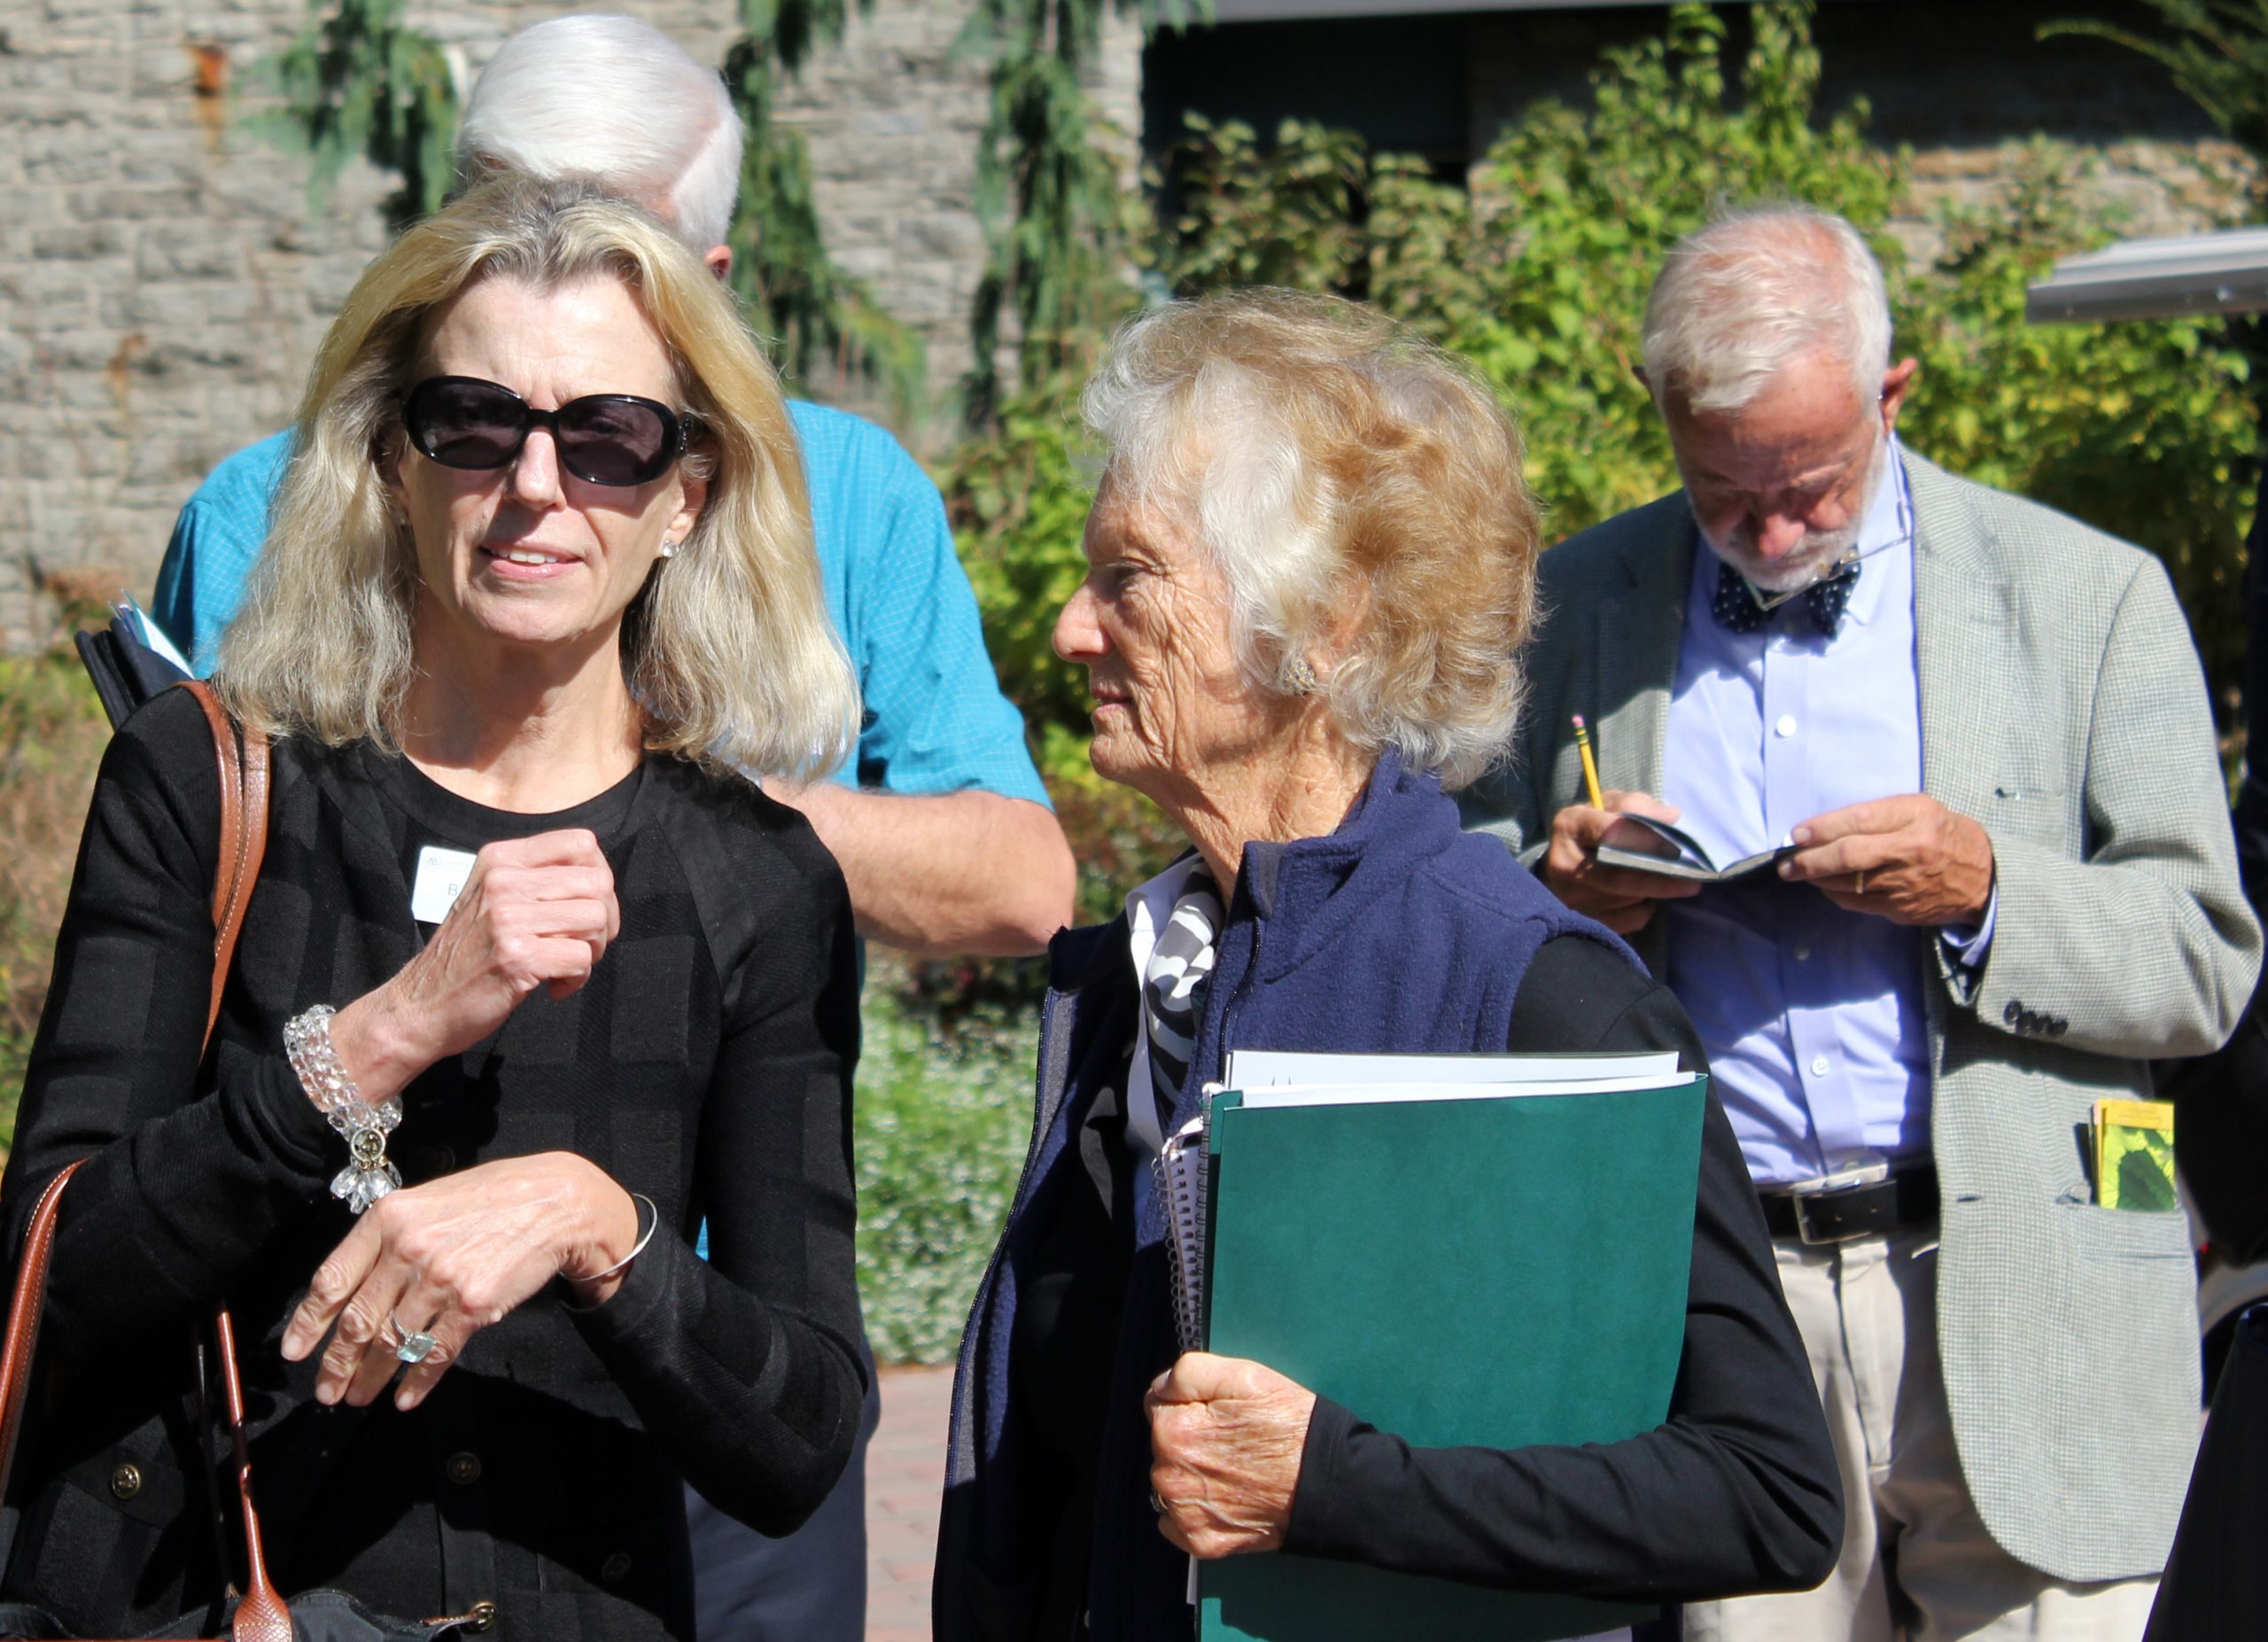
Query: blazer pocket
[
  {"x": 2097, "y": 1233},
  {"x": 2032, "y": 805}
]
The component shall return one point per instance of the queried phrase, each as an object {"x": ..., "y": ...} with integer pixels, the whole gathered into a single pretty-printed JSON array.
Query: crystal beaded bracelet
[{"x": 369, "y": 1174}]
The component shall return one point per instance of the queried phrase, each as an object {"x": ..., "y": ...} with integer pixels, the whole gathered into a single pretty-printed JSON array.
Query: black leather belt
[{"x": 1837, "y": 1214}]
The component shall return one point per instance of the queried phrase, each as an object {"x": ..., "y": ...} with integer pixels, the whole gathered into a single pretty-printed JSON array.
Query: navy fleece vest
[{"x": 1397, "y": 933}]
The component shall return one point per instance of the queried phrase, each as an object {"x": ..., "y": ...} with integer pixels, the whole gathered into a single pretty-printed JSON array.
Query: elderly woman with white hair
[
  {"x": 539, "y": 584},
  {"x": 1310, "y": 567}
]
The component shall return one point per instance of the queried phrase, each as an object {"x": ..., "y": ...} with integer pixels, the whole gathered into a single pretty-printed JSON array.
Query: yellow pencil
[{"x": 1590, "y": 764}]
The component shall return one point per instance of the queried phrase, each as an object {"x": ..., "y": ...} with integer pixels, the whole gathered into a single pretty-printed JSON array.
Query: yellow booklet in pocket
[{"x": 2134, "y": 1155}]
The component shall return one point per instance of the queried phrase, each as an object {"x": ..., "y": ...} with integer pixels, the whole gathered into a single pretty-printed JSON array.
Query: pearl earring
[{"x": 669, "y": 548}]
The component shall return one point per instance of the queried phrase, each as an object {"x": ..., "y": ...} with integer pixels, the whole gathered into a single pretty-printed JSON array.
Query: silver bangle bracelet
[
  {"x": 653, "y": 1225},
  {"x": 369, "y": 1173}
]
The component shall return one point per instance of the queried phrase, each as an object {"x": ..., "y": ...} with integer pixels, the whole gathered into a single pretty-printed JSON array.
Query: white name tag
[{"x": 441, "y": 880}]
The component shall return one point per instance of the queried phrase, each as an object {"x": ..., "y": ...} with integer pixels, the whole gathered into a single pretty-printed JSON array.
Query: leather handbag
[{"x": 258, "y": 1613}]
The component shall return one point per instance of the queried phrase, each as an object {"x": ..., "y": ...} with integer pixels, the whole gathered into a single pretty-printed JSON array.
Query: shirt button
[
  {"x": 126, "y": 1482},
  {"x": 1803, "y": 954},
  {"x": 1819, "y": 1066},
  {"x": 1786, "y": 726},
  {"x": 464, "y": 1469},
  {"x": 615, "y": 1568}
]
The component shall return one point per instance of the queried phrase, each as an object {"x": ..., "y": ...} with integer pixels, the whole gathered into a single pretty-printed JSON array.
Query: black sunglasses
[{"x": 604, "y": 439}]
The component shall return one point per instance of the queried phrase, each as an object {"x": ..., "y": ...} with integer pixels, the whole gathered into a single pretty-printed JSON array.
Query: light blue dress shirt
[
  {"x": 1813, "y": 1017},
  {"x": 935, "y": 720}
]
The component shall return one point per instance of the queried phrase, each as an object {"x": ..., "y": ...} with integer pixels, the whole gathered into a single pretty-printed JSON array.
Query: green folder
[{"x": 1504, "y": 1271}]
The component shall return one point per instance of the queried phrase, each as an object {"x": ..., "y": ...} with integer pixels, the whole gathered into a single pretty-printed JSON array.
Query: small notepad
[
  {"x": 1688, "y": 859},
  {"x": 2134, "y": 1155}
]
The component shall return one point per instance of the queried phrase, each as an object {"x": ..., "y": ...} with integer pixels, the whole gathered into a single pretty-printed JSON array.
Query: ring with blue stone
[{"x": 411, "y": 1347}]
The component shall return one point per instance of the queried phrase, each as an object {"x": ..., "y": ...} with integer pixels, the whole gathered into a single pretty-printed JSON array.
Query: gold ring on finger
[{"x": 1859, "y": 884}]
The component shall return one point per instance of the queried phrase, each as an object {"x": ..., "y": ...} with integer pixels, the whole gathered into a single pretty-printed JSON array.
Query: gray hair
[
  {"x": 615, "y": 100},
  {"x": 1329, "y": 461},
  {"x": 1756, "y": 290}
]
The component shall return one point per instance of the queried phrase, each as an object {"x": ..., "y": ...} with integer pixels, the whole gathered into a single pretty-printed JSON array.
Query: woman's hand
[
  {"x": 535, "y": 912},
  {"x": 1227, "y": 1434},
  {"x": 450, "y": 1257}
]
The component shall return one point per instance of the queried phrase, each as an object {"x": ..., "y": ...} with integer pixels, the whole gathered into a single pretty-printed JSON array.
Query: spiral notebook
[{"x": 1354, "y": 1221}]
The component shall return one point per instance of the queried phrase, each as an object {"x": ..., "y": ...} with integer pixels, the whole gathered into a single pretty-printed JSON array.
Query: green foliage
[
  {"x": 2216, "y": 52},
  {"x": 1286, "y": 215},
  {"x": 1057, "y": 219},
  {"x": 52, "y": 732},
  {"x": 1538, "y": 274},
  {"x": 819, "y": 317},
  {"x": 363, "y": 82},
  {"x": 941, "y": 1121},
  {"x": 2144, "y": 429},
  {"x": 1017, "y": 494}
]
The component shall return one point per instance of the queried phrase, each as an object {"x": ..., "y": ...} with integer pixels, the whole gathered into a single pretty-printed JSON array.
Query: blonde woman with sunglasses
[{"x": 540, "y": 585}]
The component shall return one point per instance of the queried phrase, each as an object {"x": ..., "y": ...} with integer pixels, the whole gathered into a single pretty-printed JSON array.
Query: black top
[
  {"x": 706, "y": 1063},
  {"x": 1662, "y": 1515}
]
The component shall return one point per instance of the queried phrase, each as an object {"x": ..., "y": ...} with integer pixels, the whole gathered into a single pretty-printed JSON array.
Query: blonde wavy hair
[
  {"x": 728, "y": 648},
  {"x": 1361, "y": 492}
]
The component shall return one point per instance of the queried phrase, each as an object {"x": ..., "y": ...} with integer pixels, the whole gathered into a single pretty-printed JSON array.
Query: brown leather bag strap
[
  {"x": 243, "y": 757},
  {"x": 261, "y": 1615},
  {"x": 243, "y": 760},
  {"x": 23, "y": 1317}
]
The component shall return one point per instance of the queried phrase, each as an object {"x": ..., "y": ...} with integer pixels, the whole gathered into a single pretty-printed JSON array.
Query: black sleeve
[
  {"x": 746, "y": 1365},
  {"x": 1736, "y": 1492},
  {"x": 180, "y": 1193}
]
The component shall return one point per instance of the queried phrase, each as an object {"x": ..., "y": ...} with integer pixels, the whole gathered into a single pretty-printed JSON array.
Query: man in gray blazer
[{"x": 1977, "y": 733}]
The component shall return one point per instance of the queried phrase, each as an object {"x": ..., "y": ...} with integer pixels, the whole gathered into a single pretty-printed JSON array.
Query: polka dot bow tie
[{"x": 1737, "y": 609}]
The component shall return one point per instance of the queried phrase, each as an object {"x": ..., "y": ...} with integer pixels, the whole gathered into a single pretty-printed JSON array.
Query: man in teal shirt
[{"x": 943, "y": 829}]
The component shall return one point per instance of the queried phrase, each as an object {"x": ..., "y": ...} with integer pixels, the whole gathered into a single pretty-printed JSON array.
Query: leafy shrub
[
  {"x": 1538, "y": 272},
  {"x": 2145, "y": 429},
  {"x": 940, "y": 1124},
  {"x": 51, "y": 736},
  {"x": 1018, "y": 494}
]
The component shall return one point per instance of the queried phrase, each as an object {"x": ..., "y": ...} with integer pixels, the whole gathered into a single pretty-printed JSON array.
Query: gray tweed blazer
[{"x": 2063, "y": 706}]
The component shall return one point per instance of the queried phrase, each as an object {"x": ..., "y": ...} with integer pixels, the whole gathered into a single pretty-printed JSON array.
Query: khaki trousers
[{"x": 1917, "y": 1562}]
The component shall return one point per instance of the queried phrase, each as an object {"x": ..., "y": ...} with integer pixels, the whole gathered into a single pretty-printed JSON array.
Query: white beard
[{"x": 1810, "y": 560}]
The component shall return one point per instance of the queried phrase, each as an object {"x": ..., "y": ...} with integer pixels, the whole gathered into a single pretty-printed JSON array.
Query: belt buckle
[{"x": 1830, "y": 1185}]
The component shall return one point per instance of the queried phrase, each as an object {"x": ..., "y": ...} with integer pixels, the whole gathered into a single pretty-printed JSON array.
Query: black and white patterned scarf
[{"x": 1173, "y": 987}]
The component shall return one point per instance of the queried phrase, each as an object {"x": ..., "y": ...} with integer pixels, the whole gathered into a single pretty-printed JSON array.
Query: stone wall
[
  {"x": 2144, "y": 186},
  {"x": 164, "y": 278}
]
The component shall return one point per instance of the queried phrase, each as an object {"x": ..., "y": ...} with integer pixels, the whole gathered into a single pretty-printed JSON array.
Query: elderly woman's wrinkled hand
[
  {"x": 533, "y": 912},
  {"x": 440, "y": 1262},
  {"x": 1226, "y": 1434}
]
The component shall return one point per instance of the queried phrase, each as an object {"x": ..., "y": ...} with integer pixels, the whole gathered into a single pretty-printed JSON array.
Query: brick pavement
[{"x": 905, "y": 1472}]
